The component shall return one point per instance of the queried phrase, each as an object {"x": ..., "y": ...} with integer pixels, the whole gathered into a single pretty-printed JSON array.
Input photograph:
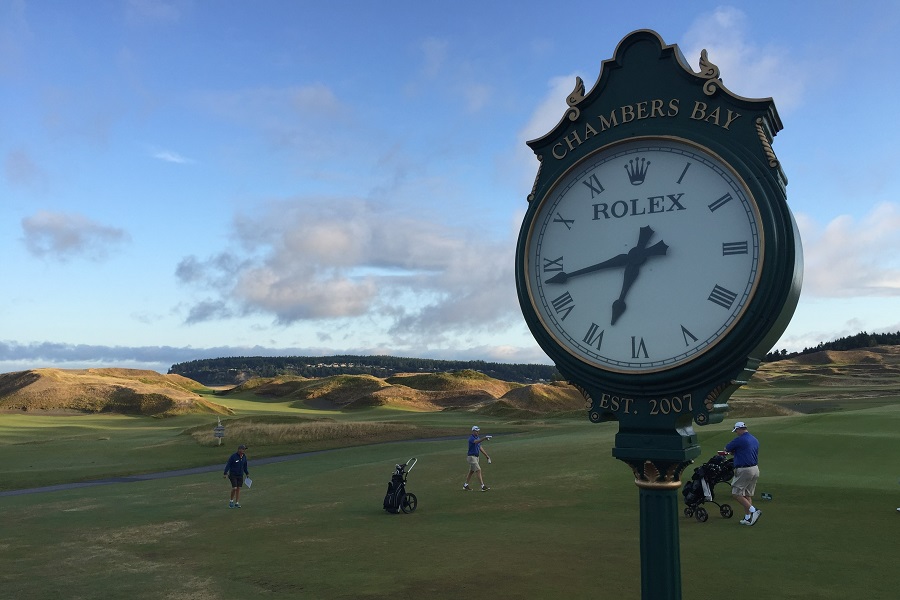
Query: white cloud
[
  {"x": 172, "y": 157},
  {"x": 63, "y": 236},
  {"x": 849, "y": 258},
  {"x": 337, "y": 259},
  {"x": 545, "y": 116},
  {"x": 746, "y": 68}
]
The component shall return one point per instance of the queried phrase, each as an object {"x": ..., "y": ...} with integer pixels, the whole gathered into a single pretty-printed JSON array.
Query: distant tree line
[
  {"x": 853, "y": 342},
  {"x": 234, "y": 370}
]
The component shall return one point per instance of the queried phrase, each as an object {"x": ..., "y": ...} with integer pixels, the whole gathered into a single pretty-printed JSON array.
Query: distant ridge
[
  {"x": 238, "y": 369},
  {"x": 854, "y": 342}
]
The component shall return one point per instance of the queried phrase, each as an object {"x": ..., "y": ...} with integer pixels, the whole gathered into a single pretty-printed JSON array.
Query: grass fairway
[{"x": 561, "y": 521}]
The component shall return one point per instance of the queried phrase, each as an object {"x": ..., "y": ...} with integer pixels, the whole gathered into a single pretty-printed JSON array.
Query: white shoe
[
  {"x": 466, "y": 487},
  {"x": 755, "y": 516},
  {"x": 745, "y": 521}
]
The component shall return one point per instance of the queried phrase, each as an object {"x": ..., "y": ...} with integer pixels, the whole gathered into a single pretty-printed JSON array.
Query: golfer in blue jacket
[{"x": 236, "y": 470}]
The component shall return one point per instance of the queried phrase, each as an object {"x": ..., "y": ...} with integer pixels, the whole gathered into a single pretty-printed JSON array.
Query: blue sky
[{"x": 185, "y": 179}]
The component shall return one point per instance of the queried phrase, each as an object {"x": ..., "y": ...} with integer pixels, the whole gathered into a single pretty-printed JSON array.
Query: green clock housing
[{"x": 658, "y": 260}]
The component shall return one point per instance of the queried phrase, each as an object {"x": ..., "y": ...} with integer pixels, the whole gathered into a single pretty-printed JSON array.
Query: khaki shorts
[
  {"x": 744, "y": 482},
  {"x": 473, "y": 463}
]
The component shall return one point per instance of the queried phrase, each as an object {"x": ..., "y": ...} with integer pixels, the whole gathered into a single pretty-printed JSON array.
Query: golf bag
[
  {"x": 701, "y": 487},
  {"x": 397, "y": 498}
]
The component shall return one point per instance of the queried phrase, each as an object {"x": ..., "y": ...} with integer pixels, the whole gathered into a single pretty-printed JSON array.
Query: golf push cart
[
  {"x": 701, "y": 488},
  {"x": 397, "y": 498}
]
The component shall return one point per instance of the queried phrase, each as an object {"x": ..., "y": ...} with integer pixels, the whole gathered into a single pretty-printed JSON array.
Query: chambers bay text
[{"x": 647, "y": 109}]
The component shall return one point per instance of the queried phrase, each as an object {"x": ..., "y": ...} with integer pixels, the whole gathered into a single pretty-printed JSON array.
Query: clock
[{"x": 642, "y": 256}]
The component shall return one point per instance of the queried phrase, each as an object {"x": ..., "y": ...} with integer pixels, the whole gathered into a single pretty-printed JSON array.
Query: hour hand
[
  {"x": 613, "y": 263},
  {"x": 637, "y": 256}
]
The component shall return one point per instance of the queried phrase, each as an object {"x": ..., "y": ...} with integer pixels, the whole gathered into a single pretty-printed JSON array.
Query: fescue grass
[{"x": 561, "y": 519}]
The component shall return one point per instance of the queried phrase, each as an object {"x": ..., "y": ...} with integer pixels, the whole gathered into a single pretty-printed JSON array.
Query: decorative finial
[{"x": 711, "y": 72}]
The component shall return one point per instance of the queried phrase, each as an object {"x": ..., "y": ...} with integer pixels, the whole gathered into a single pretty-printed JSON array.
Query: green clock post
[{"x": 658, "y": 262}]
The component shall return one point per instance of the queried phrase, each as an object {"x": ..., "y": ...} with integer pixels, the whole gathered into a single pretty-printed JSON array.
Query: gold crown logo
[{"x": 637, "y": 170}]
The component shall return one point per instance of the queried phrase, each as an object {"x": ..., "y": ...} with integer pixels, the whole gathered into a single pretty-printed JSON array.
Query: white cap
[
  {"x": 739, "y": 425},
  {"x": 476, "y": 428}
]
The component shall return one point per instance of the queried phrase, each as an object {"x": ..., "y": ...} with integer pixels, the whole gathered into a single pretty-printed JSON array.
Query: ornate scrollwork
[
  {"x": 709, "y": 71},
  {"x": 713, "y": 395},
  {"x": 574, "y": 99},
  {"x": 588, "y": 401},
  {"x": 767, "y": 146},
  {"x": 660, "y": 474}
]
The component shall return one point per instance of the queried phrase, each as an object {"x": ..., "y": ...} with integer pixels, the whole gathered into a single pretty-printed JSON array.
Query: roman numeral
[
  {"x": 593, "y": 183},
  {"x": 553, "y": 265},
  {"x": 720, "y": 202},
  {"x": 687, "y": 334},
  {"x": 567, "y": 222},
  {"x": 729, "y": 248},
  {"x": 722, "y": 297},
  {"x": 686, "y": 167},
  {"x": 593, "y": 336},
  {"x": 637, "y": 347},
  {"x": 563, "y": 305}
]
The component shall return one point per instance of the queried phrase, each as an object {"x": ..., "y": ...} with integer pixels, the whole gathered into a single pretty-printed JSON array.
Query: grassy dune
[
  {"x": 818, "y": 382},
  {"x": 125, "y": 391},
  {"x": 828, "y": 381}
]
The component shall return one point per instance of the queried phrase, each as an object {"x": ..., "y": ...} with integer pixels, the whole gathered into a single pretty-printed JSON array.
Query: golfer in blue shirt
[
  {"x": 745, "y": 449},
  {"x": 475, "y": 450}
]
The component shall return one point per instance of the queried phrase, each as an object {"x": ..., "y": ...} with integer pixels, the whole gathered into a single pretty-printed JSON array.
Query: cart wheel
[
  {"x": 689, "y": 512},
  {"x": 702, "y": 515},
  {"x": 726, "y": 511},
  {"x": 409, "y": 503}
]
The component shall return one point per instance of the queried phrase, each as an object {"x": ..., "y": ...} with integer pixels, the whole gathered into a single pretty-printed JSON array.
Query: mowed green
[{"x": 560, "y": 520}]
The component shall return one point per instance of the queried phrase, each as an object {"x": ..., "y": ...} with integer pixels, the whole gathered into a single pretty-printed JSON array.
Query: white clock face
[{"x": 644, "y": 255}]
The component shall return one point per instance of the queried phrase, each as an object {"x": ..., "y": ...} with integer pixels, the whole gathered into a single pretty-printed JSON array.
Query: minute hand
[{"x": 613, "y": 263}]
